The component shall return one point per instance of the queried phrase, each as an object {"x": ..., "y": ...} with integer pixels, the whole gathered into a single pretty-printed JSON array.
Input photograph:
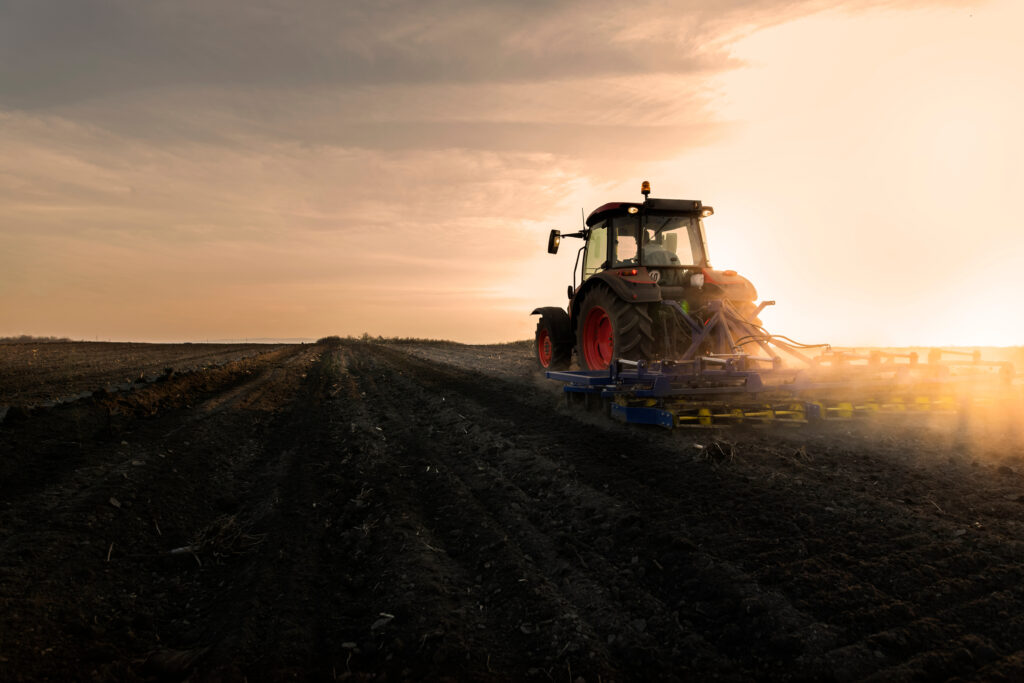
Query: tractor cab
[
  {"x": 664, "y": 237},
  {"x": 642, "y": 285},
  {"x": 660, "y": 233}
]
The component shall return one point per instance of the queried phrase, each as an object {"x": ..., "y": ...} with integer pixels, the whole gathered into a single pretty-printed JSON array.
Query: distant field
[{"x": 35, "y": 373}]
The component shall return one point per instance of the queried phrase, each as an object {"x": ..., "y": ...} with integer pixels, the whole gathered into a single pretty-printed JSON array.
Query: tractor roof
[{"x": 680, "y": 206}]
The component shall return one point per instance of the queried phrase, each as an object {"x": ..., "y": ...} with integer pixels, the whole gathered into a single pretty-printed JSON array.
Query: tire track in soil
[
  {"x": 482, "y": 556},
  {"x": 795, "y": 600},
  {"x": 262, "y": 599}
]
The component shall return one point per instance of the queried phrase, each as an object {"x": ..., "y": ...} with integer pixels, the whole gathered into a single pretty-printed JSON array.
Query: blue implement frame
[{"x": 706, "y": 391}]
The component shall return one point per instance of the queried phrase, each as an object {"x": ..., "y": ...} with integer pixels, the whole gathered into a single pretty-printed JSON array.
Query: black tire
[
  {"x": 609, "y": 328},
  {"x": 553, "y": 341}
]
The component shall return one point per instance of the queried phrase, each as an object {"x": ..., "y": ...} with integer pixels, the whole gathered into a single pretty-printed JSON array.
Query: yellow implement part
[
  {"x": 695, "y": 415},
  {"x": 765, "y": 413},
  {"x": 843, "y": 410},
  {"x": 788, "y": 411}
]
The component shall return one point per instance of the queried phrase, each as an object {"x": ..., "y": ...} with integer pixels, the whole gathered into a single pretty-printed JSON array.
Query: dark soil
[
  {"x": 429, "y": 511},
  {"x": 32, "y": 373}
]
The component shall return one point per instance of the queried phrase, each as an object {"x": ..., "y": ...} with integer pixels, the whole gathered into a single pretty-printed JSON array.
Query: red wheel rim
[
  {"x": 544, "y": 351},
  {"x": 598, "y": 346}
]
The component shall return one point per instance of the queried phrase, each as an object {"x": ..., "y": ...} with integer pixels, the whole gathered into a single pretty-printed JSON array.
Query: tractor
[
  {"x": 662, "y": 338},
  {"x": 646, "y": 290}
]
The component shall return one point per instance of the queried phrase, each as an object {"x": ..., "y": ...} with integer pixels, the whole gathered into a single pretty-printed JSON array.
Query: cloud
[
  {"x": 253, "y": 186},
  {"x": 356, "y": 158},
  {"x": 576, "y": 78},
  {"x": 54, "y": 52},
  {"x": 96, "y": 231}
]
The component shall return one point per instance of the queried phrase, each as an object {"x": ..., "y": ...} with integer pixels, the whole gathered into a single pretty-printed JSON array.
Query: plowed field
[{"x": 373, "y": 510}]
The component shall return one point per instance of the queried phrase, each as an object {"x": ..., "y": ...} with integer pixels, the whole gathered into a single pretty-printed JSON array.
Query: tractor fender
[
  {"x": 637, "y": 289},
  {"x": 560, "y": 321}
]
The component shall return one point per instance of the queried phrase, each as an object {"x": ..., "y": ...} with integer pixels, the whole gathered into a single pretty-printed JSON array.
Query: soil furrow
[
  {"x": 142, "y": 496},
  {"x": 766, "y": 515},
  {"x": 366, "y": 510}
]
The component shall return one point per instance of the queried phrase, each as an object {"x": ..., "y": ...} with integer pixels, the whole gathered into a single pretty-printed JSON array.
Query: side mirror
[
  {"x": 571, "y": 292},
  {"x": 553, "y": 240}
]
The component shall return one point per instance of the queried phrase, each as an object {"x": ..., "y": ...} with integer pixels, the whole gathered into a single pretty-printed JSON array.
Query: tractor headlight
[{"x": 697, "y": 280}]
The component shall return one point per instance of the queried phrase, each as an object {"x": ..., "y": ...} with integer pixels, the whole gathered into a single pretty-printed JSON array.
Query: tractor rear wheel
[
  {"x": 553, "y": 341},
  {"x": 610, "y": 328}
]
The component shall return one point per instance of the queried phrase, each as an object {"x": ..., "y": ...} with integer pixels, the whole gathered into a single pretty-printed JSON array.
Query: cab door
[{"x": 595, "y": 258}]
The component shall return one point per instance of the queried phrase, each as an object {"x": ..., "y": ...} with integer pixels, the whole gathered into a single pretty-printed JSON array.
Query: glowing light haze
[{"x": 193, "y": 170}]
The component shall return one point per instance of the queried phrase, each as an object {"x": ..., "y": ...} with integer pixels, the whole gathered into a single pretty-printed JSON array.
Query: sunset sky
[{"x": 192, "y": 170}]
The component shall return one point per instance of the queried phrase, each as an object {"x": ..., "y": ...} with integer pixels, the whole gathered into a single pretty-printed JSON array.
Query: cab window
[
  {"x": 673, "y": 241},
  {"x": 626, "y": 247},
  {"x": 596, "y": 257}
]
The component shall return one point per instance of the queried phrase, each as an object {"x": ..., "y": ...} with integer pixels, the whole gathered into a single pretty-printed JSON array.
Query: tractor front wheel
[
  {"x": 610, "y": 328},
  {"x": 553, "y": 345}
]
